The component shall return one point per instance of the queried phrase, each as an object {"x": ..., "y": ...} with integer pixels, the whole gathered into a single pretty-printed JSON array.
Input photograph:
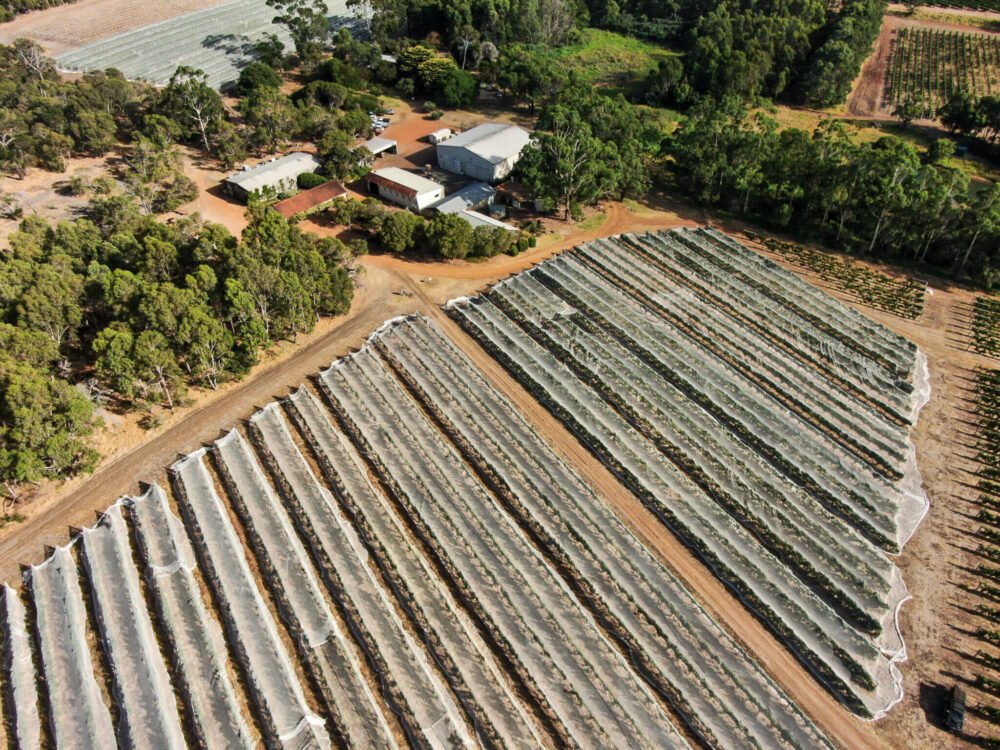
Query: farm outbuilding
[
  {"x": 487, "y": 152},
  {"x": 477, "y": 219},
  {"x": 310, "y": 201},
  {"x": 377, "y": 146},
  {"x": 277, "y": 176},
  {"x": 440, "y": 135},
  {"x": 476, "y": 195},
  {"x": 405, "y": 188}
]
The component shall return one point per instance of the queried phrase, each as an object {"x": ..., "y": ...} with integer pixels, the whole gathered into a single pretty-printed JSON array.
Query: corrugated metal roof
[
  {"x": 272, "y": 172},
  {"x": 378, "y": 145},
  {"x": 413, "y": 184},
  {"x": 482, "y": 220},
  {"x": 493, "y": 141},
  {"x": 471, "y": 196}
]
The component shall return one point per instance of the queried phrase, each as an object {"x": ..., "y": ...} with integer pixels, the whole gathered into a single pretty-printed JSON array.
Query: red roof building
[{"x": 310, "y": 200}]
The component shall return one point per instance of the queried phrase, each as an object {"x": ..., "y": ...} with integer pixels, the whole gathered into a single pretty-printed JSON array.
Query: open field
[{"x": 604, "y": 58}]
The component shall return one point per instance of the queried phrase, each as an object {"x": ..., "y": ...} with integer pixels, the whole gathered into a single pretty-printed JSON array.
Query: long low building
[
  {"x": 477, "y": 219},
  {"x": 376, "y": 146},
  {"x": 405, "y": 188},
  {"x": 276, "y": 176},
  {"x": 476, "y": 195},
  {"x": 310, "y": 201}
]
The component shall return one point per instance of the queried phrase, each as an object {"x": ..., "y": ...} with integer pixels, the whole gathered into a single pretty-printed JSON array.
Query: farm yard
[
  {"x": 219, "y": 40},
  {"x": 928, "y": 65}
]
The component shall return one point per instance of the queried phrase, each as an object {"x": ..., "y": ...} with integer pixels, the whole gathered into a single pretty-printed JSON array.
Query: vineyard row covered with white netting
[
  {"x": 395, "y": 558},
  {"x": 764, "y": 422},
  {"x": 219, "y": 40}
]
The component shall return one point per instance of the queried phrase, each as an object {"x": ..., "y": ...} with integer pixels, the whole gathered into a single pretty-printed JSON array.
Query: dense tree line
[
  {"x": 586, "y": 146},
  {"x": 11, "y": 8},
  {"x": 807, "y": 51},
  {"x": 878, "y": 199},
  {"x": 500, "y": 22},
  {"x": 443, "y": 235},
  {"x": 968, "y": 115},
  {"x": 837, "y": 61},
  {"x": 135, "y": 309}
]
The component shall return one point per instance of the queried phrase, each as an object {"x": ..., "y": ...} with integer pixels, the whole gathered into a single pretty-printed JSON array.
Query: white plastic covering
[
  {"x": 457, "y": 635},
  {"x": 21, "y": 677},
  {"x": 337, "y": 662},
  {"x": 197, "y": 647},
  {"x": 722, "y": 686},
  {"x": 142, "y": 686},
  {"x": 267, "y": 665},
  {"x": 438, "y": 718},
  {"x": 77, "y": 714},
  {"x": 694, "y": 304},
  {"x": 152, "y": 53},
  {"x": 588, "y": 684}
]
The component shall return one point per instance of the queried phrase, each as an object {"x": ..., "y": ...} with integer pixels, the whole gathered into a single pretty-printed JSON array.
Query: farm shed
[
  {"x": 277, "y": 175},
  {"x": 439, "y": 135},
  {"x": 477, "y": 219},
  {"x": 377, "y": 146},
  {"x": 476, "y": 195},
  {"x": 486, "y": 152},
  {"x": 310, "y": 201},
  {"x": 405, "y": 188}
]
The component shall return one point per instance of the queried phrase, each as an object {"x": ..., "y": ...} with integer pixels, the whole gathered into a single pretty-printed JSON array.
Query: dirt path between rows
[{"x": 784, "y": 668}]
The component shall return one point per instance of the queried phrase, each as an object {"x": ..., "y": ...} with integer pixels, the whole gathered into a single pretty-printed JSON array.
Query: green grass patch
[
  {"x": 610, "y": 60},
  {"x": 12, "y": 518},
  {"x": 594, "y": 222}
]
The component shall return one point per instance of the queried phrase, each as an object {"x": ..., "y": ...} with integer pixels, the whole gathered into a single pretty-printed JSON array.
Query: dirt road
[{"x": 49, "y": 522}]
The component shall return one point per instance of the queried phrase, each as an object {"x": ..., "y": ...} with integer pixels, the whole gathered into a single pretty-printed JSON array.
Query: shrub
[
  {"x": 436, "y": 115},
  {"x": 308, "y": 180},
  {"x": 254, "y": 76}
]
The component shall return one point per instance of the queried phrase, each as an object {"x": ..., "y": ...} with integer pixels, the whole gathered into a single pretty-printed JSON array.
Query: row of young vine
[
  {"x": 986, "y": 326},
  {"x": 903, "y": 297},
  {"x": 988, "y": 454},
  {"x": 929, "y": 65}
]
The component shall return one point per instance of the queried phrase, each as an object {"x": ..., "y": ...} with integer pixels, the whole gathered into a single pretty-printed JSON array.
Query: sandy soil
[
  {"x": 39, "y": 191},
  {"x": 65, "y": 27},
  {"x": 212, "y": 203}
]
